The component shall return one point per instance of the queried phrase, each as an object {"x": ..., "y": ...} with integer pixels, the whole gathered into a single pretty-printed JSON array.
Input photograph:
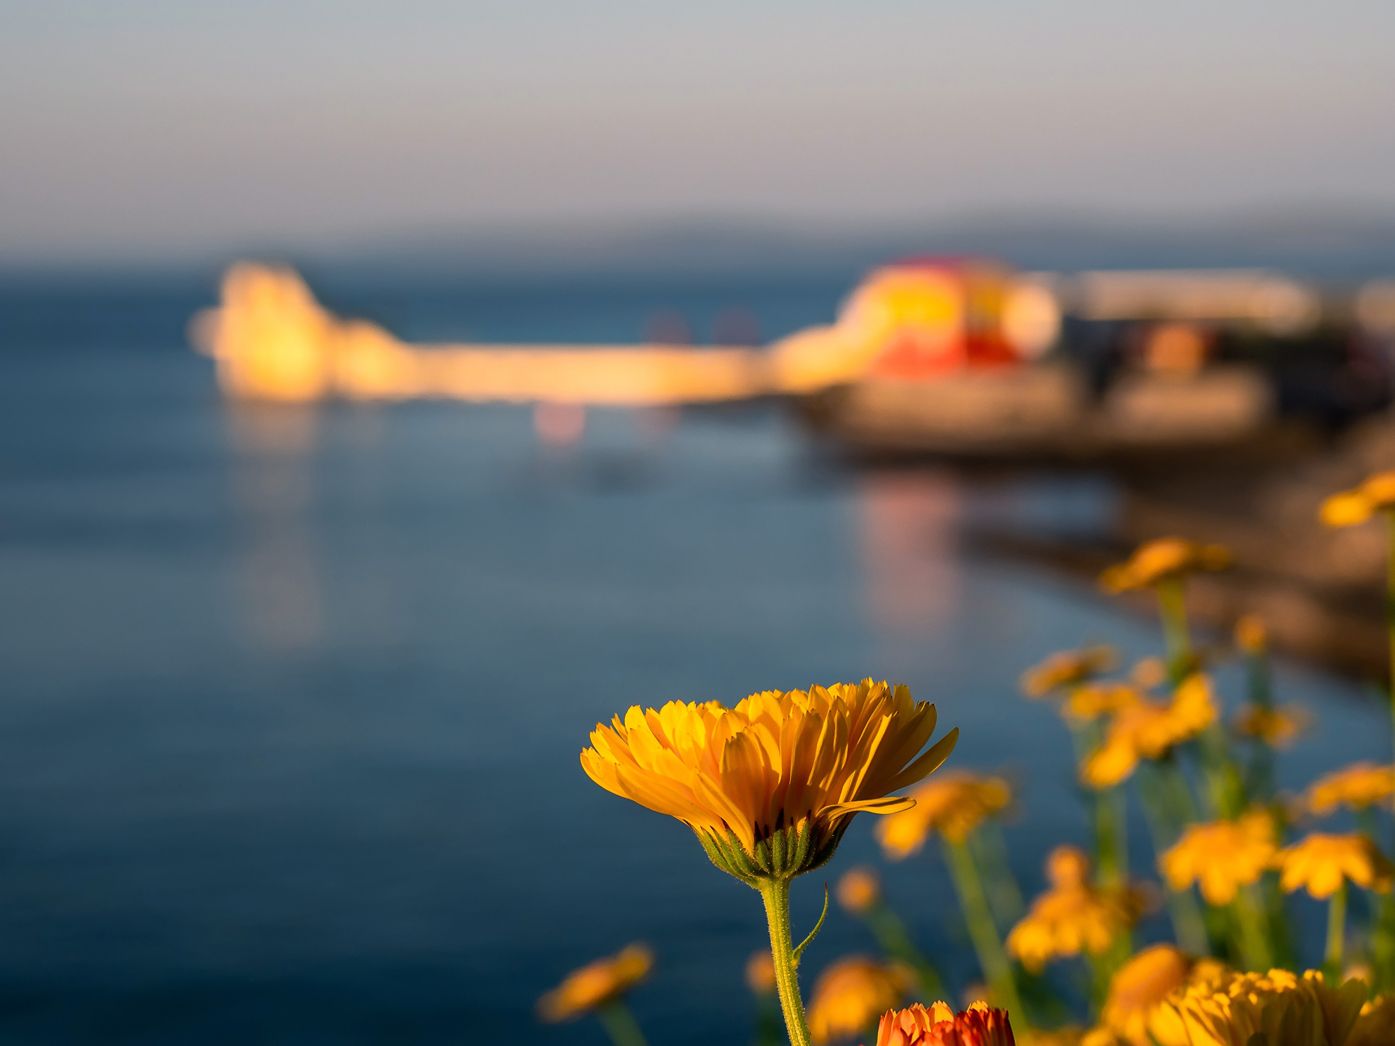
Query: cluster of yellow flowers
[{"x": 770, "y": 785}]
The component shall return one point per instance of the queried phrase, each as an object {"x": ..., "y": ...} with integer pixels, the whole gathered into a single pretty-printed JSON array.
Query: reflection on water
[
  {"x": 908, "y": 523},
  {"x": 278, "y": 581},
  {"x": 294, "y": 699}
]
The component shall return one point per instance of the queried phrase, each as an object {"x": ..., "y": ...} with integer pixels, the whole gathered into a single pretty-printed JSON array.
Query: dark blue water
[{"x": 291, "y": 701}]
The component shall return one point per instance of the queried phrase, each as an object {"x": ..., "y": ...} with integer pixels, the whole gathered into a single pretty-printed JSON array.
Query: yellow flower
[
  {"x": 1149, "y": 730},
  {"x": 1279, "y": 1008},
  {"x": 1251, "y": 635},
  {"x": 1350, "y": 507},
  {"x": 596, "y": 984},
  {"x": 1322, "y": 864},
  {"x": 1093, "y": 701},
  {"x": 1275, "y": 727},
  {"x": 859, "y": 890},
  {"x": 770, "y": 786},
  {"x": 1222, "y": 856},
  {"x": 1149, "y": 673},
  {"x": 1141, "y": 986},
  {"x": 939, "y": 1025},
  {"x": 1357, "y": 787},
  {"x": 953, "y": 804},
  {"x": 760, "y": 972},
  {"x": 849, "y": 995},
  {"x": 1067, "y": 668},
  {"x": 1072, "y": 916},
  {"x": 1376, "y": 1025},
  {"x": 1166, "y": 559}
]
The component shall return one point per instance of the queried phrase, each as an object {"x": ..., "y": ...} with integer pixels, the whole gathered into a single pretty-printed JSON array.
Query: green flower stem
[
  {"x": 776, "y": 895},
  {"x": 1172, "y": 606},
  {"x": 1111, "y": 848},
  {"x": 1252, "y": 920},
  {"x": 1187, "y": 922},
  {"x": 1336, "y": 931},
  {"x": 997, "y": 967},
  {"x": 1004, "y": 894},
  {"x": 896, "y": 941},
  {"x": 620, "y": 1024}
]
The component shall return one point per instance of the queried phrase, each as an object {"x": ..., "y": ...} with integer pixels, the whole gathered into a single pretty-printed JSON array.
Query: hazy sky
[{"x": 141, "y": 126}]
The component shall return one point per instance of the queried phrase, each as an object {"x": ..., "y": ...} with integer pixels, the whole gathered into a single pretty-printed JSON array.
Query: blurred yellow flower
[
  {"x": 1279, "y": 1008},
  {"x": 1356, "y": 787},
  {"x": 1165, "y": 559},
  {"x": 1067, "y": 668},
  {"x": 1072, "y": 916},
  {"x": 939, "y": 1025},
  {"x": 1222, "y": 856},
  {"x": 1376, "y": 1025},
  {"x": 1149, "y": 673},
  {"x": 1150, "y": 729},
  {"x": 760, "y": 973},
  {"x": 597, "y": 984},
  {"x": 859, "y": 889},
  {"x": 953, "y": 804},
  {"x": 770, "y": 786},
  {"x": 1251, "y": 634},
  {"x": 1141, "y": 986},
  {"x": 1275, "y": 727},
  {"x": 1350, "y": 507},
  {"x": 1092, "y": 701},
  {"x": 850, "y": 995},
  {"x": 1322, "y": 864}
]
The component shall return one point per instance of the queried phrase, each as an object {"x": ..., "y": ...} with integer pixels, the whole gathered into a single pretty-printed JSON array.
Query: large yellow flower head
[
  {"x": 770, "y": 785},
  {"x": 850, "y": 994},
  {"x": 1072, "y": 916},
  {"x": 1222, "y": 856},
  {"x": 1356, "y": 787},
  {"x": 1350, "y": 507},
  {"x": 1322, "y": 864},
  {"x": 1163, "y": 560},
  {"x": 939, "y": 1025},
  {"x": 1150, "y": 729},
  {"x": 596, "y": 984},
  {"x": 1143, "y": 984},
  {"x": 1279, "y": 1008},
  {"x": 1066, "y": 669},
  {"x": 1376, "y": 1025},
  {"x": 953, "y": 804}
]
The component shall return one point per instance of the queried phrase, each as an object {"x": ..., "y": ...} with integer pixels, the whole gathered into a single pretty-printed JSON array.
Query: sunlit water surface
[{"x": 292, "y": 701}]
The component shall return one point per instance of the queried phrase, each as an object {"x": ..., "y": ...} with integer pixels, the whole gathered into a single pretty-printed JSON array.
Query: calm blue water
[{"x": 291, "y": 701}]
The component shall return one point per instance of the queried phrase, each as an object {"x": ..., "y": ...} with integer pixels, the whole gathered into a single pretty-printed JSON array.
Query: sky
[{"x": 180, "y": 127}]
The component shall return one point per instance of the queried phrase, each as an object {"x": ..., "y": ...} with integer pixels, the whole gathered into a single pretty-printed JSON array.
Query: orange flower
[
  {"x": 1275, "y": 727},
  {"x": 596, "y": 984},
  {"x": 1166, "y": 559},
  {"x": 770, "y": 786},
  {"x": 1350, "y": 507},
  {"x": 1278, "y": 1008},
  {"x": 939, "y": 1025},
  {"x": 1066, "y": 669},
  {"x": 760, "y": 972},
  {"x": 1072, "y": 916},
  {"x": 850, "y": 994},
  {"x": 1322, "y": 864},
  {"x": 1222, "y": 856},
  {"x": 1093, "y": 701},
  {"x": 1149, "y": 730},
  {"x": 953, "y": 804},
  {"x": 1144, "y": 983},
  {"x": 859, "y": 890},
  {"x": 1356, "y": 787}
]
